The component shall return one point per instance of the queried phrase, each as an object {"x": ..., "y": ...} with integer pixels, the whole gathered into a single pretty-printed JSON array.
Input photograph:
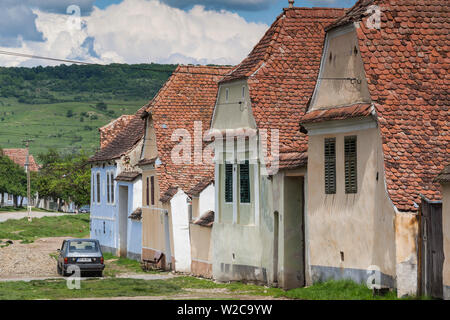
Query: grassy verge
[
  {"x": 57, "y": 289},
  {"x": 116, "y": 266},
  {"x": 22, "y": 209},
  {"x": 119, "y": 287},
  {"x": 69, "y": 226}
]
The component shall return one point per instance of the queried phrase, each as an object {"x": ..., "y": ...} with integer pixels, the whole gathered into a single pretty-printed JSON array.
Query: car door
[{"x": 61, "y": 253}]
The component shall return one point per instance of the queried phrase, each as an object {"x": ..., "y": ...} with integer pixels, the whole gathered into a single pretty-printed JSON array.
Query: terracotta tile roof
[
  {"x": 145, "y": 162},
  {"x": 124, "y": 140},
  {"x": 168, "y": 194},
  {"x": 340, "y": 113},
  {"x": 444, "y": 176},
  {"x": 188, "y": 96},
  {"x": 19, "y": 156},
  {"x": 407, "y": 68},
  {"x": 136, "y": 215},
  {"x": 128, "y": 176},
  {"x": 202, "y": 185},
  {"x": 282, "y": 71},
  {"x": 112, "y": 129},
  {"x": 206, "y": 219}
]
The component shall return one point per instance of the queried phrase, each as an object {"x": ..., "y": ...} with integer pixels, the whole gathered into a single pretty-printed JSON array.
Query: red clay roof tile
[{"x": 19, "y": 156}]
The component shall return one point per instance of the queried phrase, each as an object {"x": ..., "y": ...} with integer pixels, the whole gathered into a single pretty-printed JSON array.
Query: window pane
[
  {"x": 98, "y": 187},
  {"x": 228, "y": 182},
  {"x": 330, "y": 165},
  {"x": 244, "y": 182},
  {"x": 112, "y": 187},
  {"x": 147, "y": 196},
  {"x": 108, "y": 188},
  {"x": 153, "y": 190},
  {"x": 351, "y": 185}
]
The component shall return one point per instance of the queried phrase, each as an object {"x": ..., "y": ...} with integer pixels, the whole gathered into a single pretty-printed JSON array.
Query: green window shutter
[
  {"x": 351, "y": 182},
  {"x": 330, "y": 165},
  {"x": 244, "y": 182},
  {"x": 228, "y": 182}
]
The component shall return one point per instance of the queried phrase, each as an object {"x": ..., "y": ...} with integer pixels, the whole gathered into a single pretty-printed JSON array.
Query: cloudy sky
[{"x": 138, "y": 31}]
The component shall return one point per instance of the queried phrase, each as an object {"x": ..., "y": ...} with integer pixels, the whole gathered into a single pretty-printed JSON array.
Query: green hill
[{"x": 63, "y": 107}]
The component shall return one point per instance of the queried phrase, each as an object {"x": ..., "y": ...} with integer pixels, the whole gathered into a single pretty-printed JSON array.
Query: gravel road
[{"x": 31, "y": 260}]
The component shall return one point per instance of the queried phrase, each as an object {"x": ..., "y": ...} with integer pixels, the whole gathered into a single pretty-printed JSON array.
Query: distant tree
[
  {"x": 13, "y": 179},
  {"x": 81, "y": 119},
  {"x": 69, "y": 114}
]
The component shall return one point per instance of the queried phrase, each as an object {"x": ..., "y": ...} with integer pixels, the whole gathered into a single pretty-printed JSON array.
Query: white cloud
[{"x": 143, "y": 31}]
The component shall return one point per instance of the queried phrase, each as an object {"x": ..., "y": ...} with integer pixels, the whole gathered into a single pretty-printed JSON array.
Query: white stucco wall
[
  {"x": 206, "y": 200},
  {"x": 181, "y": 238}
]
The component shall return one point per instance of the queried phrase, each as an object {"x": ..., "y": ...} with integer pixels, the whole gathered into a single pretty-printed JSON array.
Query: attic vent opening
[
  {"x": 355, "y": 50},
  {"x": 331, "y": 57}
]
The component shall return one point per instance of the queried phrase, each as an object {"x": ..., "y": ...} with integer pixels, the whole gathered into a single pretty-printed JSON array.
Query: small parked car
[
  {"x": 85, "y": 209},
  {"x": 83, "y": 253}
]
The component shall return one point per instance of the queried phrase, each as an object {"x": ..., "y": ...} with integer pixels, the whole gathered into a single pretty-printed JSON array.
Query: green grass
[
  {"x": 116, "y": 266},
  {"x": 57, "y": 289},
  {"x": 76, "y": 226},
  {"x": 49, "y": 126},
  {"x": 22, "y": 209}
]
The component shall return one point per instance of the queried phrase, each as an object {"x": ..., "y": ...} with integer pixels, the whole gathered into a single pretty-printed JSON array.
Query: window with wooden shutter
[
  {"x": 351, "y": 181},
  {"x": 228, "y": 182},
  {"x": 330, "y": 165},
  {"x": 98, "y": 187},
  {"x": 112, "y": 187},
  {"x": 244, "y": 182},
  {"x": 147, "y": 192},
  {"x": 152, "y": 189}
]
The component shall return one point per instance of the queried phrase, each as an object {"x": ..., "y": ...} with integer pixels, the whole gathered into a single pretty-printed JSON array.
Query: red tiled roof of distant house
[
  {"x": 109, "y": 132},
  {"x": 188, "y": 96},
  {"x": 444, "y": 176},
  {"x": 340, "y": 113},
  {"x": 125, "y": 140},
  {"x": 19, "y": 156},
  {"x": 406, "y": 62},
  {"x": 282, "y": 71}
]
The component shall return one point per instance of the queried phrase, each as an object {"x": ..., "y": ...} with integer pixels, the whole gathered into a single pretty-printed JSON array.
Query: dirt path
[{"x": 29, "y": 261}]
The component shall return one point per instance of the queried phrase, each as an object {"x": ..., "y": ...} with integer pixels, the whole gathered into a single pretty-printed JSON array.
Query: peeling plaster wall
[
  {"x": 341, "y": 59},
  {"x": 446, "y": 228},
  {"x": 349, "y": 233},
  {"x": 406, "y": 236}
]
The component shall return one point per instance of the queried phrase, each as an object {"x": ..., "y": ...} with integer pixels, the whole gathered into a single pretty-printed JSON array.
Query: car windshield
[{"x": 83, "y": 246}]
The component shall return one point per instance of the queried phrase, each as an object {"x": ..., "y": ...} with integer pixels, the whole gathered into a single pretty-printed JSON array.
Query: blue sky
[
  {"x": 139, "y": 31},
  {"x": 256, "y": 14}
]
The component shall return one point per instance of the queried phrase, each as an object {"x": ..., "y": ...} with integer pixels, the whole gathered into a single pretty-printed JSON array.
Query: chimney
[{"x": 291, "y": 3}]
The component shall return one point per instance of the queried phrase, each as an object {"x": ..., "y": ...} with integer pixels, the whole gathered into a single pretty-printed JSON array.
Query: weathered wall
[
  {"x": 154, "y": 238},
  {"x": 206, "y": 200},
  {"x": 446, "y": 228},
  {"x": 341, "y": 59},
  {"x": 348, "y": 233},
  {"x": 201, "y": 250},
  {"x": 236, "y": 112},
  {"x": 104, "y": 223}
]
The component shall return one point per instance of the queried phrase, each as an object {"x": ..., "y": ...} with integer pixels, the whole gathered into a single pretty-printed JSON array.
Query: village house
[
  {"x": 18, "y": 156},
  {"x": 178, "y": 185},
  {"x": 378, "y": 134},
  {"x": 260, "y": 232},
  {"x": 116, "y": 187}
]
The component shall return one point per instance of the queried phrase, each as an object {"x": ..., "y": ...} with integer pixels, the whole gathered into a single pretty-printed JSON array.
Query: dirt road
[{"x": 31, "y": 260}]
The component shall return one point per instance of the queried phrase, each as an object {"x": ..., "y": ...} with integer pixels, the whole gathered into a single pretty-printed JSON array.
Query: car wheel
[{"x": 100, "y": 274}]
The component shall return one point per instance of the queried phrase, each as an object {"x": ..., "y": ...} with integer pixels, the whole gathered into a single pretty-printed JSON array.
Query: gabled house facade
[
  {"x": 259, "y": 230},
  {"x": 378, "y": 133},
  {"x": 116, "y": 188},
  {"x": 174, "y": 169}
]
